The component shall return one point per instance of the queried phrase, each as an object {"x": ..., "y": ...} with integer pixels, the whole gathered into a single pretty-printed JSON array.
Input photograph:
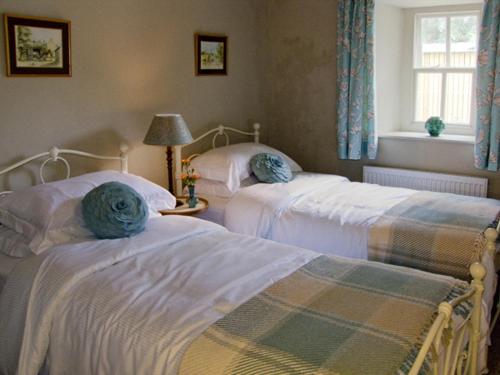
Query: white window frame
[{"x": 451, "y": 128}]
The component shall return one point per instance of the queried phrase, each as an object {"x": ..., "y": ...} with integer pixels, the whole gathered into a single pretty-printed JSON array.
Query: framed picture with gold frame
[
  {"x": 36, "y": 46},
  {"x": 210, "y": 54}
]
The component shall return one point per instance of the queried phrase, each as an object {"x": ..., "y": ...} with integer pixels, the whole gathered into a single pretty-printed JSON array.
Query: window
[{"x": 444, "y": 68}]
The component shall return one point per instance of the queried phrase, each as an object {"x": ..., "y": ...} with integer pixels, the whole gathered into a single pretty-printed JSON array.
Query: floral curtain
[
  {"x": 356, "y": 134},
  {"x": 488, "y": 89}
]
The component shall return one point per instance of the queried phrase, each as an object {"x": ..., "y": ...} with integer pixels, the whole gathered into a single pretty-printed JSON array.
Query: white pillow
[
  {"x": 231, "y": 164},
  {"x": 50, "y": 214},
  {"x": 13, "y": 244},
  {"x": 219, "y": 189},
  {"x": 211, "y": 188}
]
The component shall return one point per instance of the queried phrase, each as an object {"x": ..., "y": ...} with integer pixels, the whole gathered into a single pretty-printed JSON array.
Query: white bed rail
[
  {"x": 219, "y": 131},
  {"x": 459, "y": 357},
  {"x": 446, "y": 346},
  {"x": 54, "y": 155}
]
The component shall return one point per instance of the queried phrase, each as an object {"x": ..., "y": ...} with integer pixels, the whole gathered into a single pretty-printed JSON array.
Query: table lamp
[{"x": 168, "y": 130}]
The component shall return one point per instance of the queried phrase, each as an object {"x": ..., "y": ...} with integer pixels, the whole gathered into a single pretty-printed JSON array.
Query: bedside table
[{"x": 184, "y": 209}]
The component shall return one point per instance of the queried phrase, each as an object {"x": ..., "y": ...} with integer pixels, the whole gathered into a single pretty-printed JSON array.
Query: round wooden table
[{"x": 184, "y": 209}]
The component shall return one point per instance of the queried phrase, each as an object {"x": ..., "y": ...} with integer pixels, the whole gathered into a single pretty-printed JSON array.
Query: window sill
[{"x": 414, "y": 136}]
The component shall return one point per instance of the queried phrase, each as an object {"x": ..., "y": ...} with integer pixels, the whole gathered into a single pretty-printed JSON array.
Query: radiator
[{"x": 418, "y": 180}]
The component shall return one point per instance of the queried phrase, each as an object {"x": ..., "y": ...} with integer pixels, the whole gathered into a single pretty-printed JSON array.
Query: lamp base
[{"x": 170, "y": 170}]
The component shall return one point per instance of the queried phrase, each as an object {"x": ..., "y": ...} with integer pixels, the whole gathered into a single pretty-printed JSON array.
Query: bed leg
[{"x": 478, "y": 272}]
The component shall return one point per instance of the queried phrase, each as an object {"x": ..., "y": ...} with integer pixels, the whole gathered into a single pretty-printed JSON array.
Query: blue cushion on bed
[
  {"x": 114, "y": 210},
  {"x": 270, "y": 168}
]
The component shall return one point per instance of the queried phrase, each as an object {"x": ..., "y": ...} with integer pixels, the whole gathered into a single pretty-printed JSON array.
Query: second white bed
[{"x": 325, "y": 213}]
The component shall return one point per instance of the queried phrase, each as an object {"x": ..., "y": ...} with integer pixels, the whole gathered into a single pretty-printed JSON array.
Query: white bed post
[
  {"x": 478, "y": 272},
  {"x": 256, "y": 132},
  {"x": 491, "y": 236},
  {"x": 124, "y": 157},
  {"x": 178, "y": 168}
]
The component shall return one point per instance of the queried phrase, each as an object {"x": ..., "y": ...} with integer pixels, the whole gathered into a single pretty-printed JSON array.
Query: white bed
[
  {"x": 320, "y": 212},
  {"x": 133, "y": 305},
  {"x": 160, "y": 278}
]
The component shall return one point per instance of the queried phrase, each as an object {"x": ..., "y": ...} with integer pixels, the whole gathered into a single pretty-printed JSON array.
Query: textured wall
[
  {"x": 300, "y": 79},
  {"x": 131, "y": 59},
  {"x": 299, "y": 55}
]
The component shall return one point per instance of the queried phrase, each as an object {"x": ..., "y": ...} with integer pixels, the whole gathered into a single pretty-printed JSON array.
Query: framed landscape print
[
  {"x": 37, "y": 46},
  {"x": 211, "y": 54}
]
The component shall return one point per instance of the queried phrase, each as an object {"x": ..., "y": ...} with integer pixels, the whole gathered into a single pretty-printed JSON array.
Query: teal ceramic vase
[
  {"x": 434, "y": 125},
  {"x": 192, "y": 200}
]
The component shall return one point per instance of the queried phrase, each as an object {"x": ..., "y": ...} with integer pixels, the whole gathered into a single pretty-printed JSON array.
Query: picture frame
[
  {"x": 210, "y": 54},
  {"x": 37, "y": 46}
]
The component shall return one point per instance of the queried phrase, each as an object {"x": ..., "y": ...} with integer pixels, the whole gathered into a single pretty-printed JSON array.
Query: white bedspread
[
  {"x": 321, "y": 212},
  {"x": 131, "y": 305}
]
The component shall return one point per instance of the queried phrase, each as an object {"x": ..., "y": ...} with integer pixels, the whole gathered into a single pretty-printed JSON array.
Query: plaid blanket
[
  {"x": 436, "y": 232},
  {"x": 332, "y": 316}
]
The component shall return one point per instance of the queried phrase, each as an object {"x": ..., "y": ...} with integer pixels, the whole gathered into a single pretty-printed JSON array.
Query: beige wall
[
  {"x": 131, "y": 59},
  {"x": 299, "y": 44}
]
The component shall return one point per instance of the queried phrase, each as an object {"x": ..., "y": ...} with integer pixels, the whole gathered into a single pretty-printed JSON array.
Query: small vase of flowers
[{"x": 189, "y": 177}]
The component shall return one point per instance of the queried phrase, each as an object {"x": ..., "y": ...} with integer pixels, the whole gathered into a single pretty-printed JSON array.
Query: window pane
[
  {"x": 458, "y": 98},
  {"x": 433, "y": 42},
  {"x": 463, "y": 35},
  {"x": 428, "y": 101}
]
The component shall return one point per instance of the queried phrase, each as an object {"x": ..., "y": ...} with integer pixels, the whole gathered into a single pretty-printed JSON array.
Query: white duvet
[
  {"x": 322, "y": 212},
  {"x": 132, "y": 305}
]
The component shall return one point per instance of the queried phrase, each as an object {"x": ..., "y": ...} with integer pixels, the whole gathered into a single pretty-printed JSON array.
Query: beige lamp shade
[{"x": 168, "y": 130}]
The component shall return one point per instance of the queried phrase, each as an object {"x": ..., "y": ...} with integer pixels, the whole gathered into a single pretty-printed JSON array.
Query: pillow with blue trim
[
  {"x": 114, "y": 210},
  {"x": 270, "y": 168}
]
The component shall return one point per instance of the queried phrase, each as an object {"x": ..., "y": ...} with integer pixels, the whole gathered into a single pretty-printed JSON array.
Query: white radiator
[{"x": 445, "y": 183}]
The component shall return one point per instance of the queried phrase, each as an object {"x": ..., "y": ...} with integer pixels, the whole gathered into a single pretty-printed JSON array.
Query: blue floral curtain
[
  {"x": 355, "y": 80},
  {"x": 488, "y": 89}
]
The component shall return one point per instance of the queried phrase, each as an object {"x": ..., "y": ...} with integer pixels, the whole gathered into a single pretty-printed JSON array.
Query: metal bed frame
[{"x": 450, "y": 350}]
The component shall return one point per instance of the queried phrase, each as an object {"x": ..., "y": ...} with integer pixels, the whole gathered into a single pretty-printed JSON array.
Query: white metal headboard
[
  {"x": 54, "y": 155},
  {"x": 219, "y": 131}
]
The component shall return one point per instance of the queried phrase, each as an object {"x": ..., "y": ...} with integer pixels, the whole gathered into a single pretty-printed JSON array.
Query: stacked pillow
[
  {"x": 226, "y": 167},
  {"x": 51, "y": 214}
]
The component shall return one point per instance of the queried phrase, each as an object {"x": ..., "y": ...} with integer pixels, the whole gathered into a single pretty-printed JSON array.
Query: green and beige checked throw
[
  {"x": 332, "y": 316},
  {"x": 435, "y": 232}
]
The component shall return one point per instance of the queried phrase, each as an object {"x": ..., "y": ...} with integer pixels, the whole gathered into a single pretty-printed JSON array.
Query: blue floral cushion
[
  {"x": 270, "y": 168},
  {"x": 114, "y": 210}
]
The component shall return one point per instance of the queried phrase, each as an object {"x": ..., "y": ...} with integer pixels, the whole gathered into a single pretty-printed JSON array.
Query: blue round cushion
[
  {"x": 114, "y": 210},
  {"x": 270, "y": 168}
]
